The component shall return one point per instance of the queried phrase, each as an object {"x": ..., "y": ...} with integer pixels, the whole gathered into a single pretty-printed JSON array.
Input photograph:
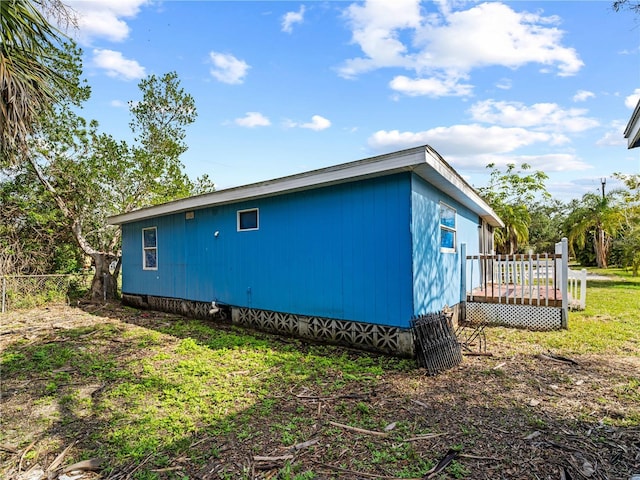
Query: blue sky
[{"x": 285, "y": 87}]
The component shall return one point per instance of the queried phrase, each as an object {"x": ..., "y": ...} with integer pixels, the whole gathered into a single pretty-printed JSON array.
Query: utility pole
[{"x": 603, "y": 181}]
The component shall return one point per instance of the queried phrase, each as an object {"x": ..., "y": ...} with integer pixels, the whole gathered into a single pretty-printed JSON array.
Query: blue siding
[
  {"x": 170, "y": 274},
  {"x": 339, "y": 252},
  {"x": 436, "y": 274}
]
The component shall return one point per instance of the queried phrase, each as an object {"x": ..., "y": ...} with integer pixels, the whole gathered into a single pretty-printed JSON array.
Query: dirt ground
[{"x": 512, "y": 415}]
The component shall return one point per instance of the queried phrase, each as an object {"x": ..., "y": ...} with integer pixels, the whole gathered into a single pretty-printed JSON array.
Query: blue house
[{"x": 347, "y": 254}]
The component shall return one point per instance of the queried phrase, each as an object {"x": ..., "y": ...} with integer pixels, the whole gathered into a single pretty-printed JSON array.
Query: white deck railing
[
  {"x": 577, "y": 286},
  {"x": 524, "y": 279},
  {"x": 574, "y": 282},
  {"x": 531, "y": 279}
]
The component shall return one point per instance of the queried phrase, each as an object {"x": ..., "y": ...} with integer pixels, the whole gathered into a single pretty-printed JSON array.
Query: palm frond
[{"x": 29, "y": 81}]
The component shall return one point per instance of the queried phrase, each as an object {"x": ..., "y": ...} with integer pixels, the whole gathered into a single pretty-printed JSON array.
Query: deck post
[
  {"x": 463, "y": 280},
  {"x": 563, "y": 248},
  {"x": 583, "y": 288}
]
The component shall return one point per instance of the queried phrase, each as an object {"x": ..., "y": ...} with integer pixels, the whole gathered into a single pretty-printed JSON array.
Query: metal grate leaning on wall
[{"x": 436, "y": 345}]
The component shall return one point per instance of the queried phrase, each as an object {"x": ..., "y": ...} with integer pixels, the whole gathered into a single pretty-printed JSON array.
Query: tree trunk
[
  {"x": 601, "y": 243},
  {"x": 513, "y": 243},
  {"x": 104, "y": 285}
]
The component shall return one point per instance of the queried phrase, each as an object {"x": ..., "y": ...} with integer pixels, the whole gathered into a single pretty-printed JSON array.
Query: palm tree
[
  {"x": 509, "y": 193},
  {"x": 599, "y": 217},
  {"x": 516, "y": 220},
  {"x": 29, "y": 80}
]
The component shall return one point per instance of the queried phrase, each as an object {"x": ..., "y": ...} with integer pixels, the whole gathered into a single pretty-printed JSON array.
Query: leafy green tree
[
  {"x": 628, "y": 241},
  {"x": 30, "y": 81},
  {"x": 90, "y": 175},
  {"x": 632, "y": 5},
  {"x": 33, "y": 237},
  {"x": 599, "y": 218},
  {"x": 585, "y": 255},
  {"x": 546, "y": 226},
  {"x": 510, "y": 193}
]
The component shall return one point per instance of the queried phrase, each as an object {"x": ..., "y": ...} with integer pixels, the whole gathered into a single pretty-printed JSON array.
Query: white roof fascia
[
  {"x": 416, "y": 159},
  {"x": 632, "y": 131},
  {"x": 457, "y": 188},
  {"x": 375, "y": 166}
]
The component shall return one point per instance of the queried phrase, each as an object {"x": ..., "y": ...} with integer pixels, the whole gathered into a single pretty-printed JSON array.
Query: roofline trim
[
  {"x": 404, "y": 160},
  {"x": 453, "y": 177},
  {"x": 632, "y": 130}
]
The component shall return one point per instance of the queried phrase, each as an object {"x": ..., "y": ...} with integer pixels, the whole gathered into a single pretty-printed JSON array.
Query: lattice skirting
[
  {"x": 522, "y": 316},
  {"x": 188, "y": 308},
  {"x": 366, "y": 336}
]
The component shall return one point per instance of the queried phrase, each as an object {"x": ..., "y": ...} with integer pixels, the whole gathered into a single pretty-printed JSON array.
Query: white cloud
[
  {"x": 317, "y": 123},
  {"x": 253, "y": 119},
  {"x": 118, "y": 103},
  {"x": 446, "y": 46},
  {"x": 554, "y": 162},
  {"x": 116, "y": 65},
  {"x": 614, "y": 137},
  {"x": 542, "y": 116},
  {"x": 513, "y": 127},
  {"x": 291, "y": 18},
  {"x": 494, "y": 34},
  {"x": 227, "y": 68},
  {"x": 632, "y": 100},
  {"x": 582, "y": 95},
  {"x": 104, "y": 18},
  {"x": 375, "y": 28},
  {"x": 461, "y": 139},
  {"x": 473, "y": 147},
  {"x": 504, "y": 84},
  {"x": 432, "y": 87},
  {"x": 579, "y": 186}
]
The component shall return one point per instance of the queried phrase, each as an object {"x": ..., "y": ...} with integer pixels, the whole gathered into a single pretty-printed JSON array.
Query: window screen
[
  {"x": 248, "y": 219},
  {"x": 150, "y": 248},
  {"x": 447, "y": 228}
]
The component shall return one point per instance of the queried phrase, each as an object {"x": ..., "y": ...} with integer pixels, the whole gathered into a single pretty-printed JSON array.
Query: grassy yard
[
  {"x": 156, "y": 396},
  {"x": 609, "y": 324}
]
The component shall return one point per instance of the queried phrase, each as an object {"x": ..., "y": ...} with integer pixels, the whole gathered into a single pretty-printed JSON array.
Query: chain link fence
[{"x": 28, "y": 291}]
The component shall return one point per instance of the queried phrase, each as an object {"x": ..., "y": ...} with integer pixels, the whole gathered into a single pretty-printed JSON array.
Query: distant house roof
[
  {"x": 423, "y": 161},
  {"x": 632, "y": 132}
]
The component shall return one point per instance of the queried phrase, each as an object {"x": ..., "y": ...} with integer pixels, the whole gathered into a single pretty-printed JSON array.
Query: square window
[
  {"x": 447, "y": 228},
  {"x": 447, "y": 239},
  {"x": 150, "y": 259},
  {"x": 447, "y": 217},
  {"x": 150, "y": 248},
  {"x": 149, "y": 237},
  {"x": 248, "y": 219}
]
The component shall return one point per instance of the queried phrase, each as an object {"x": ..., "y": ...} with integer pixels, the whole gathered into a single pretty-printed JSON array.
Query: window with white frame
[
  {"x": 150, "y": 248},
  {"x": 447, "y": 228},
  {"x": 248, "y": 219}
]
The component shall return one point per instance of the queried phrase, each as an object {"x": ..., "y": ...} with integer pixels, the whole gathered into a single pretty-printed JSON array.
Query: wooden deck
[
  {"x": 534, "y": 290},
  {"x": 537, "y": 295}
]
